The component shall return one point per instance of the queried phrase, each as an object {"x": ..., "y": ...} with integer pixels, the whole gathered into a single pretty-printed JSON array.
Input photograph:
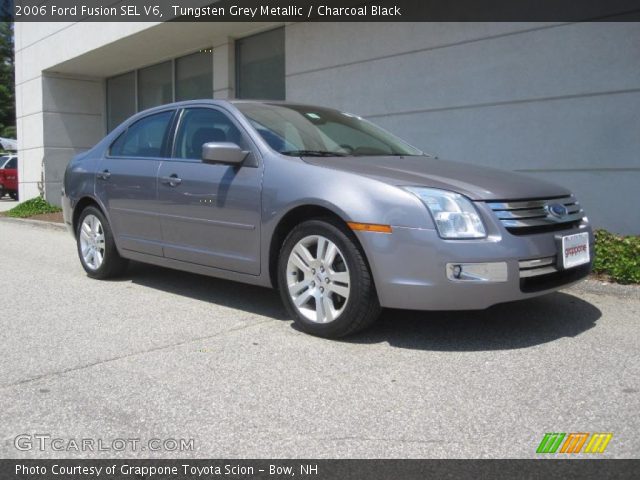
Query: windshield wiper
[{"x": 313, "y": 153}]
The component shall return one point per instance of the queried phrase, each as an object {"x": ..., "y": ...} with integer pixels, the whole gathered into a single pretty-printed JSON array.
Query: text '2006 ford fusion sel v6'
[{"x": 340, "y": 216}]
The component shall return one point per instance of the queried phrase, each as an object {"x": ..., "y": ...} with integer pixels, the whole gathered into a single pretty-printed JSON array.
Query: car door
[
  {"x": 210, "y": 213},
  {"x": 126, "y": 183}
]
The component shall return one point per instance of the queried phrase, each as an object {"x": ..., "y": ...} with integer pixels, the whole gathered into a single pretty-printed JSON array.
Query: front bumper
[{"x": 409, "y": 267}]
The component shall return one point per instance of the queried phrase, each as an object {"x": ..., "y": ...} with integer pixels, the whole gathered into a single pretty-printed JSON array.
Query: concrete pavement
[
  {"x": 170, "y": 355},
  {"x": 7, "y": 203}
]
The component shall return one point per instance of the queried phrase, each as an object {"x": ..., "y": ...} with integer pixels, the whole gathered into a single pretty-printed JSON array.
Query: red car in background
[{"x": 9, "y": 176}]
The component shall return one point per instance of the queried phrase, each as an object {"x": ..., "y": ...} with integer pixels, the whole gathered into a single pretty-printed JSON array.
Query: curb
[{"x": 36, "y": 223}]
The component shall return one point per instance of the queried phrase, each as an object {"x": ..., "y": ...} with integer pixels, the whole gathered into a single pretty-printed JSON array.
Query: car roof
[
  {"x": 284, "y": 103},
  {"x": 221, "y": 102},
  {"x": 204, "y": 101}
]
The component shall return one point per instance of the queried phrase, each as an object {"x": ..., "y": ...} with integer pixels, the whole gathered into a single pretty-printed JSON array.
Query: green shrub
[
  {"x": 617, "y": 256},
  {"x": 34, "y": 206}
]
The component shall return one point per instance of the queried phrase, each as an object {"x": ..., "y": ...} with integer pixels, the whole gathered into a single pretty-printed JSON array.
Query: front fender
[{"x": 290, "y": 183}]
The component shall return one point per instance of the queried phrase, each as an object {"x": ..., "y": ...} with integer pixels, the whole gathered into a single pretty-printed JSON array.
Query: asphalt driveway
[{"x": 168, "y": 355}]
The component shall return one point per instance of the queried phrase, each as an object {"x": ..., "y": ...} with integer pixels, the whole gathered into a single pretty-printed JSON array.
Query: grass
[
  {"x": 34, "y": 206},
  {"x": 617, "y": 257}
]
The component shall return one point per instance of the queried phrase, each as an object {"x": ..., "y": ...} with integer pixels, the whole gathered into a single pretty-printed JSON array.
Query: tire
[
  {"x": 111, "y": 263},
  {"x": 336, "y": 294},
  {"x": 14, "y": 195}
]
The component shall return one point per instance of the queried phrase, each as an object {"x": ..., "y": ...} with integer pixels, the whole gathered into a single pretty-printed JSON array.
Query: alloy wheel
[
  {"x": 318, "y": 279},
  {"x": 92, "y": 242}
]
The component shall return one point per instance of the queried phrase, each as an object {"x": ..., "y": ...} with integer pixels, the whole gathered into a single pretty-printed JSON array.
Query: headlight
[{"x": 454, "y": 215}]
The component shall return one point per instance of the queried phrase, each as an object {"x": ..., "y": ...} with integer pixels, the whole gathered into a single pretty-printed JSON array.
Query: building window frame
[
  {"x": 136, "y": 74},
  {"x": 238, "y": 57}
]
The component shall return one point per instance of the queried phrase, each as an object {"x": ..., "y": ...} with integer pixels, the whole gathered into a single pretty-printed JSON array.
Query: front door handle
[
  {"x": 172, "y": 180},
  {"x": 104, "y": 175}
]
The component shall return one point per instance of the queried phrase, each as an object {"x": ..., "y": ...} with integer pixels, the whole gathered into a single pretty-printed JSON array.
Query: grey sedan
[{"x": 342, "y": 217}]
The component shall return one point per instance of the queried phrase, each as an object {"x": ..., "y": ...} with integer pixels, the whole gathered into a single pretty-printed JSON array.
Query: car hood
[{"x": 473, "y": 181}]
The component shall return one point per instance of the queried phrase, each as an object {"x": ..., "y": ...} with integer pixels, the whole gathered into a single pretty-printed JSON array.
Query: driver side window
[{"x": 202, "y": 125}]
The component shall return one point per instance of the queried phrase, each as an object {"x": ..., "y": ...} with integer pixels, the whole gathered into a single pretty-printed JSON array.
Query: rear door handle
[
  {"x": 172, "y": 180},
  {"x": 104, "y": 175}
]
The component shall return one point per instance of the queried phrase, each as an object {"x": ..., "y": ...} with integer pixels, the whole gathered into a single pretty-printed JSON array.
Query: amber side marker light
[{"x": 369, "y": 227}]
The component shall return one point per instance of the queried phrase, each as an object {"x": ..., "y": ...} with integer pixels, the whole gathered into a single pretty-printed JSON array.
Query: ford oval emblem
[{"x": 556, "y": 210}]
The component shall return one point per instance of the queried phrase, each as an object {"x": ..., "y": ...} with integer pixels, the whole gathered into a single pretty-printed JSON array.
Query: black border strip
[
  {"x": 316, "y": 10},
  {"x": 331, "y": 469}
]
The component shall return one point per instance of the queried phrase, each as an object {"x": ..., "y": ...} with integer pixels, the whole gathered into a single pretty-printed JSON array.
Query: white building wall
[
  {"x": 73, "y": 120},
  {"x": 223, "y": 69},
  {"x": 57, "y": 115},
  {"x": 58, "y": 118},
  {"x": 557, "y": 101}
]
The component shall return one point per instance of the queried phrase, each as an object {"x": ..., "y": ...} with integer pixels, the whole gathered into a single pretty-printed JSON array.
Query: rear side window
[
  {"x": 144, "y": 138},
  {"x": 13, "y": 163}
]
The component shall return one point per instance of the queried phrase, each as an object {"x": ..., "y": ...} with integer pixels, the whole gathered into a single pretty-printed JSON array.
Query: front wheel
[
  {"x": 96, "y": 248},
  {"x": 324, "y": 280}
]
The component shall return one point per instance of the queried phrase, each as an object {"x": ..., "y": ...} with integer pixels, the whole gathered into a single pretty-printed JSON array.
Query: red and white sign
[{"x": 575, "y": 250}]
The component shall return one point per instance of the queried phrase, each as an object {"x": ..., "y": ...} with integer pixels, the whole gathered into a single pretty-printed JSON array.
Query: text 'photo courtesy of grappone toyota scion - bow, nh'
[{"x": 339, "y": 215}]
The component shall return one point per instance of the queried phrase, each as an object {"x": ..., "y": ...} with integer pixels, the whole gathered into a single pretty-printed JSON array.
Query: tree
[
  {"x": 6, "y": 10},
  {"x": 7, "y": 82}
]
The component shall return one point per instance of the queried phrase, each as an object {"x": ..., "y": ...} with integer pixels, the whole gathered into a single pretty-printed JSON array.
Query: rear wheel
[
  {"x": 324, "y": 280},
  {"x": 96, "y": 248},
  {"x": 13, "y": 195}
]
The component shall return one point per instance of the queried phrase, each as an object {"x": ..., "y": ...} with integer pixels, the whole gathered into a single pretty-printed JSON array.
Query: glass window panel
[
  {"x": 154, "y": 86},
  {"x": 202, "y": 125},
  {"x": 292, "y": 128},
  {"x": 194, "y": 76},
  {"x": 144, "y": 138},
  {"x": 260, "y": 66},
  {"x": 121, "y": 99}
]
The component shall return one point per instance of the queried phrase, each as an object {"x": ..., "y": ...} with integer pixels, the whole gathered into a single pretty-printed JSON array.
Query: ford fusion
[{"x": 342, "y": 217}]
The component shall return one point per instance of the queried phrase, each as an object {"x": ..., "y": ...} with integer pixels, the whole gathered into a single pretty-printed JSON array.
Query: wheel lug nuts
[
  {"x": 321, "y": 290},
  {"x": 322, "y": 269},
  {"x": 326, "y": 280},
  {"x": 313, "y": 284},
  {"x": 313, "y": 271}
]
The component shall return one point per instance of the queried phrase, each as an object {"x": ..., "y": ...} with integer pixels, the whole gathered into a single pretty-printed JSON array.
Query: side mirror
[{"x": 223, "y": 152}]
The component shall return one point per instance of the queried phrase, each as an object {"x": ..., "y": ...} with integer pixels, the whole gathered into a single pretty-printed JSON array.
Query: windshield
[{"x": 299, "y": 130}]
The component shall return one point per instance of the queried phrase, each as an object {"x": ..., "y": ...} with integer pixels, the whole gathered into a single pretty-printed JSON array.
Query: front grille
[
  {"x": 537, "y": 266},
  {"x": 524, "y": 217}
]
